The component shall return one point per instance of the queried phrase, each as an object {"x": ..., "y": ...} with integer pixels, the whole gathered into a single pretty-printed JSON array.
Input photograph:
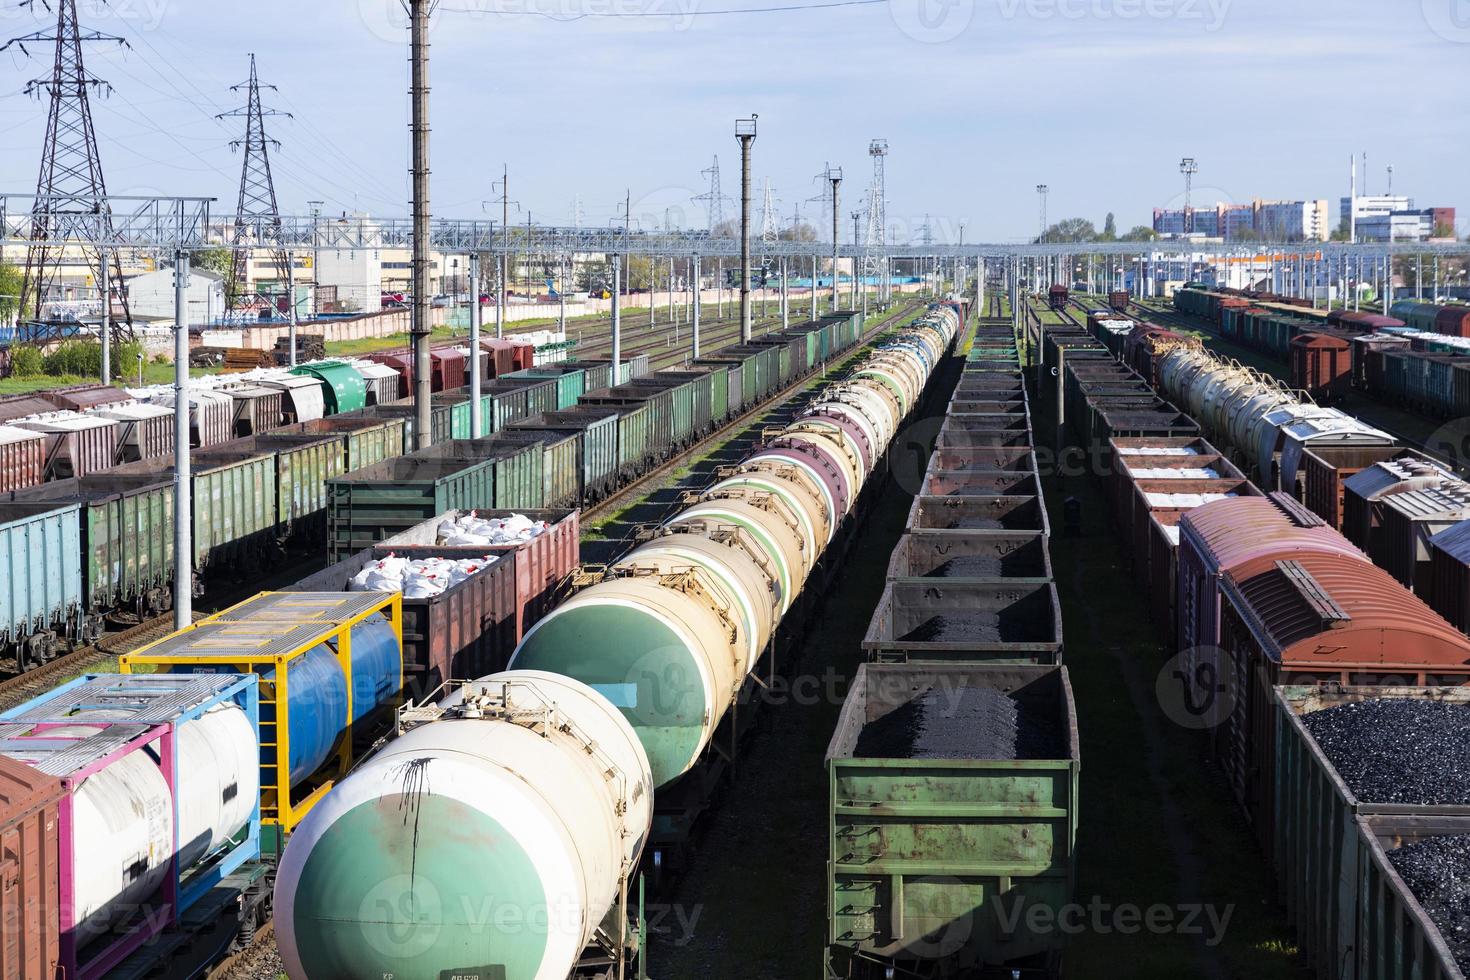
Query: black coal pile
[
  {"x": 1437, "y": 871},
  {"x": 970, "y": 566},
  {"x": 1398, "y": 750},
  {"x": 963, "y": 723},
  {"x": 975, "y": 627}
]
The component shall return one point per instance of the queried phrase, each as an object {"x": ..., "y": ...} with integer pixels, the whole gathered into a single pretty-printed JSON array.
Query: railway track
[{"x": 102, "y": 654}]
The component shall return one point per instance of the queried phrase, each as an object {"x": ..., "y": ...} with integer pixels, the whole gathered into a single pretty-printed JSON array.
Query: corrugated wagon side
[{"x": 933, "y": 863}]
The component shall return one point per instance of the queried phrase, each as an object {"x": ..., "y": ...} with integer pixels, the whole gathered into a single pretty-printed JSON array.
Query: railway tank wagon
[{"x": 639, "y": 668}]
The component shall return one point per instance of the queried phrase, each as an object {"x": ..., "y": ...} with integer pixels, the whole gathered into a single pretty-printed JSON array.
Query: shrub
[{"x": 27, "y": 362}]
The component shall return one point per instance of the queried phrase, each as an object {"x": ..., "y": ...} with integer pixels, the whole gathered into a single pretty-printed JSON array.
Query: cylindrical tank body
[
  {"x": 123, "y": 834},
  {"x": 671, "y": 649},
  {"x": 804, "y": 491},
  {"x": 860, "y": 401},
  {"x": 856, "y": 436},
  {"x": 664, "y": 651},
  {"x": 499, "y": 835},
  {"x": 219, "y": 780},
  {"x": 773, "y": 525},
  {"x": 122, "y": 838}
]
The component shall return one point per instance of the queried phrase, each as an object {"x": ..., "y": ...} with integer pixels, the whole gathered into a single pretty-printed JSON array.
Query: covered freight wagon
[
  {"x": 1316, "y": 618},
  {"x": 76, "y": 444},
  {"x": 144, "y": 431},
  {"x": 343, "y": 389},
  {"x": 22, "y": 458}
]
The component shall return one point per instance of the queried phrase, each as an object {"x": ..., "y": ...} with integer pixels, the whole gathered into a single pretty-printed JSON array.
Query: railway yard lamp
[{"x": 745, "y": 133}]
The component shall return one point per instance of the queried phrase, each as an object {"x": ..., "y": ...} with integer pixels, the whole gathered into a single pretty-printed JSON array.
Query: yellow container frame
[{"x": 288, "y": 624}]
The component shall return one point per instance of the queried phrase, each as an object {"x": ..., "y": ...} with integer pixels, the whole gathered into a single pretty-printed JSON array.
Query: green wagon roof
[{"x": 342, "y": 385}]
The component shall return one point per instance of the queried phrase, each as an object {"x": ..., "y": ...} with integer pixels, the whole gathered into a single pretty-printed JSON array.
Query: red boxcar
[
  {"x": 523, "y": 355},
  {"x": 1454, "y": 321},
  {"x": 1316, "y": 618},
  {"x": 451, "y": 368},
  {"x": 29, "y": 881},
  {"x": 400, "y": 361},
  {"x": 1321, "y": 364}
]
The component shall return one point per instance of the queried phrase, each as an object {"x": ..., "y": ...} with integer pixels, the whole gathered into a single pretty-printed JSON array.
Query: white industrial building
[{"x": 152, "y": 295}]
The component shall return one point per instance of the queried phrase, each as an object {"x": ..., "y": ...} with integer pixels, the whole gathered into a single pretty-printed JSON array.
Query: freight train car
[
  {"x": 1268, "y": 594},
  {"x": 970, "y": 609},
  {"x": 696, "y": 605}
]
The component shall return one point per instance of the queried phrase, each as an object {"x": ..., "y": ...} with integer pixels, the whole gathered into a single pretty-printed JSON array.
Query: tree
[
  {"x": 1071, "y": 230},
  {"x": 591, "y": 276},
  {"x": 220, "y": 260},
  {"x": 1444, "y": 229},
  {"x": 1139, "y": 233},
  {"x": 801, "y": 233},
  {"x": 1110, "y": 229},
  {"x": 11, "y": 280}
]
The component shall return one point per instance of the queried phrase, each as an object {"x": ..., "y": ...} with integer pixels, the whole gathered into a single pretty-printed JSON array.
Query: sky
[{"x": 979, "y": 101}]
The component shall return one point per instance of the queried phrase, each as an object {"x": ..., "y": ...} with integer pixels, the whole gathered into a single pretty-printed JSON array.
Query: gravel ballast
[
  {"x": 962, "y": 723},
  {"x": 1398, "y": 750},
  {"x": 1437, "y": 871}
]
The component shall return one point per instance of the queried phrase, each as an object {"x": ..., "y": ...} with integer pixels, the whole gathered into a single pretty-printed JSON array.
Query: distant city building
[
  {"x": 1281, "y": 221},
  {"x": 1405, "y": 226},
  {"x": 1365, "y": 206}
]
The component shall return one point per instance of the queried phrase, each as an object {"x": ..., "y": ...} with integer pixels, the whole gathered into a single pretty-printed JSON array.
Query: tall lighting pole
[
  {"x": 1041, "y": 191},
  {"x": 745, "y": 133},
  {"x": 1188, "y": 167},
  {"x": 419, "y": 325},
  {"x": 834, "y": 177}
]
